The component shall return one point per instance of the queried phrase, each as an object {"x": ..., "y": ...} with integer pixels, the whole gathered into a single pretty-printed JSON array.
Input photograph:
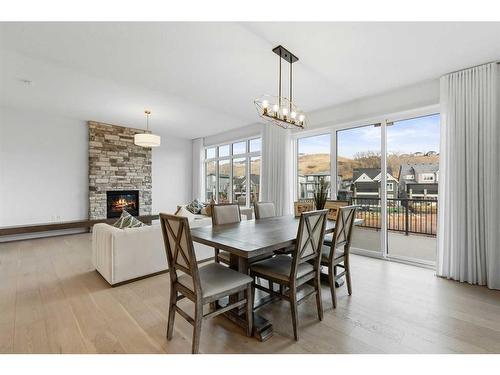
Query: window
[
  {"x": 223, "y": 151},
  {"x": 255, "y": 145},
  {"x": 232, "y": 170},
  {"x": 210, "y": 180},
  {"x": 224, "y": 182},
  {"x": 390, "y": 186},
  {"x": 313, "y": 163},
  {"x": 239, "y": 181},
  {"x": 239, "y": 148},
  {"x": 254, "y": 179}
]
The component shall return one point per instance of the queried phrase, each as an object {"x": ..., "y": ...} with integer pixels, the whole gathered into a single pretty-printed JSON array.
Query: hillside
[{"x": 320, "y": 163}]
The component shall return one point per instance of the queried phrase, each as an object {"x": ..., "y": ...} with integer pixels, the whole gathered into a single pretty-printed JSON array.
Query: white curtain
[
  {"x": 277, "y": 168},
  {"x": 468, "y": 238},
  {"x": 198, "y": 180}
]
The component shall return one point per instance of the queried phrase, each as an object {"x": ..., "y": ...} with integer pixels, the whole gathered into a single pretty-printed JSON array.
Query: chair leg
[
  {"x": 348, "y": 274},
  {"x": 293, "y": 308},
  {"x": 249, "y": 297},
  {"x": 331, "y": 280},
  {"x": 319, "y": 303},
  {"x": 216, "y": 255},
  {"x": 198, "y": 317},
  {"x": 171, "y": 314}
]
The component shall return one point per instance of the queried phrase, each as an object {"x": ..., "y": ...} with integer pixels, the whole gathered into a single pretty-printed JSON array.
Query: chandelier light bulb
[
  {"x": 293, "y": 114},
  {"x": 265, "y": 104},
  {"x": 302, "y": 117},
  {"x": 275, "y": 108},
  {"x": 284, "y": 110}
]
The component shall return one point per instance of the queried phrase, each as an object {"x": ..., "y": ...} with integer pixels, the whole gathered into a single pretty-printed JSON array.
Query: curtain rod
[{"x": 474, "y": 66}]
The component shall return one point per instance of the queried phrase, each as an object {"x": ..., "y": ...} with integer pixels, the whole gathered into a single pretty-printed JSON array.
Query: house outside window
[
  {"x": 313, "y": 164},
  {"x": 232, "y": 172}
]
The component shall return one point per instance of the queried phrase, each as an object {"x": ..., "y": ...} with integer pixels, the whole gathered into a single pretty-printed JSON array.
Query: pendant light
[
  {"x": 147, "y": 139},
  {"x": 281, "y": 110}
]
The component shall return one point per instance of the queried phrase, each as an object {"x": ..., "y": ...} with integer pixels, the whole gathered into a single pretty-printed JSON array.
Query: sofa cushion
[
  {"x": 195, "y": 207},
  {"x": 128, "y": 221}
]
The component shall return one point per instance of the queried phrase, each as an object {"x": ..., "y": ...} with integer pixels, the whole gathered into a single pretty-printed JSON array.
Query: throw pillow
[
  {"x": 194, "y": 207},
  {"x": 128, "y": 221}
]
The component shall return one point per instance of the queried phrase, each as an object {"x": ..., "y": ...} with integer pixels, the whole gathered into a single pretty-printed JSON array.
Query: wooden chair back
[
  {"x": 343, "y": 230},
  {"x": 180, "y": 250},
  {"x": 264, "y": 210},
  {"x": 309, "y": 239},
  {"x": 226, "y": 213}
]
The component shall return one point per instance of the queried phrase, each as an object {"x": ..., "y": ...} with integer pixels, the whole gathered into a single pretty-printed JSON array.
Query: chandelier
[
  {"x": 147, "y": 139},
  {"x": 280, "y": 110}
]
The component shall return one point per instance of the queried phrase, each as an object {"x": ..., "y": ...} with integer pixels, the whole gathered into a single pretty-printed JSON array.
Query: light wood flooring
[{"x": 52, "y": 301}]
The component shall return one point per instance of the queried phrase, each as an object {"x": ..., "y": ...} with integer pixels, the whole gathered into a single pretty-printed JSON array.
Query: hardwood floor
[{"x": 52, "y": 301}]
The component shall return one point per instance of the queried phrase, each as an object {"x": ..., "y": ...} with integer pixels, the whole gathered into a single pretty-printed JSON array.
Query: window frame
[{"x": 230, "y": 158}]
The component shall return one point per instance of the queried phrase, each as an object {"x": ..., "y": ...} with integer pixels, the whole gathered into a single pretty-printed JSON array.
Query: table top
[{"x": 251, "y": 238}]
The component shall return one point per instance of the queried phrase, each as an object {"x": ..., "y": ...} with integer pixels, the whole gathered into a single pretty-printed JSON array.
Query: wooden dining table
[{"x": 248, "y": 240}]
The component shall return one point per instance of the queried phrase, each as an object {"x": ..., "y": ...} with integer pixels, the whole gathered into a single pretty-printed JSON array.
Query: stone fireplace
[{"x": 116, "y": 164}]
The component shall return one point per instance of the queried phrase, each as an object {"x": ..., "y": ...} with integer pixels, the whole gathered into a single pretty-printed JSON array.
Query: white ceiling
[{"x": 201, "y": 78}]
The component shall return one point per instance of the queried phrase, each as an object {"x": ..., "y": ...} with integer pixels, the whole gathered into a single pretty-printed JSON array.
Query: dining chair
[
  {"x": 263, "y": 210},
  {"x": 332, "y": 206},
  {"x": 203, "y": 285},
  {"x": 336, "y": 254},
  {"x": 293, "y": 272},
  {"x": 224, "y": 213}
]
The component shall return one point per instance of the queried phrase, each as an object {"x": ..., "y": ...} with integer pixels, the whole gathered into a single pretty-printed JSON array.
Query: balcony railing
[{"x": 415, "y": 216}]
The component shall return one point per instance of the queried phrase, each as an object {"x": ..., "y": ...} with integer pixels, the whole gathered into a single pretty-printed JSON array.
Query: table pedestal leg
[{"x": 262, "y": 328}]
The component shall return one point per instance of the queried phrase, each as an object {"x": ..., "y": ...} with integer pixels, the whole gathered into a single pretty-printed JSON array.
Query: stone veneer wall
[{"x": 116, "y": 163}]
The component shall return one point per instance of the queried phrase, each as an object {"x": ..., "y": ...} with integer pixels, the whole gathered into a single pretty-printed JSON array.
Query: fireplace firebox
[{"x": 119, "y": 200}]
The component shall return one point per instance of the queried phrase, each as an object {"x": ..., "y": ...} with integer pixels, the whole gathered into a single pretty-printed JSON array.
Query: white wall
[
  {"x": 44, "y": 169},
  {"x": 172, "y": 174}
]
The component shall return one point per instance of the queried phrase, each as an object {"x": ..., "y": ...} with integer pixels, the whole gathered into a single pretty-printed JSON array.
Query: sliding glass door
[
  {"x": 391, "y": 171},
  {"x": 413, "y": 164},
  {"x": 358, "y": 182}
]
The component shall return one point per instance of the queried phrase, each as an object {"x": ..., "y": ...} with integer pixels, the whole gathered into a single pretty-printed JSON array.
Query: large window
[
  {"x": 313, "y": 163},
  {"x": 232, "y": 170}
]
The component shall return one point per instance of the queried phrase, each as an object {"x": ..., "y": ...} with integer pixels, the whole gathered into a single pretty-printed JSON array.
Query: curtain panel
[
  {"x": 198, "y": 169},
  {"x": 277, "y": 168},
  {"x": 468, "y": 236}
]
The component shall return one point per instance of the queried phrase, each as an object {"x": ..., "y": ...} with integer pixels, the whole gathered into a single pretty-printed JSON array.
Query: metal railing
[{"x": 410, "y": 216}]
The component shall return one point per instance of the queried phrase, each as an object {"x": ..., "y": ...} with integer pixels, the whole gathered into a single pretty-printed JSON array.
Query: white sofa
[{"x": 121, "y": 255}]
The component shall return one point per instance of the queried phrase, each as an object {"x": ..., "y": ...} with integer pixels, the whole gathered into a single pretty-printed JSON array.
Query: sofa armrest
[{"x": 102, "y": 249}]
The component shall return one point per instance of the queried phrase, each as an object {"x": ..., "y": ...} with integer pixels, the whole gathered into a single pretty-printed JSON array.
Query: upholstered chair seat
[
  {"x": 215, "y": 279},
  {"x": 280, "y": 268}
]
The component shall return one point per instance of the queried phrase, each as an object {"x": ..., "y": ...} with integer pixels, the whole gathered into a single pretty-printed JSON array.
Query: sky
[{"x": 408, "y": 136}]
